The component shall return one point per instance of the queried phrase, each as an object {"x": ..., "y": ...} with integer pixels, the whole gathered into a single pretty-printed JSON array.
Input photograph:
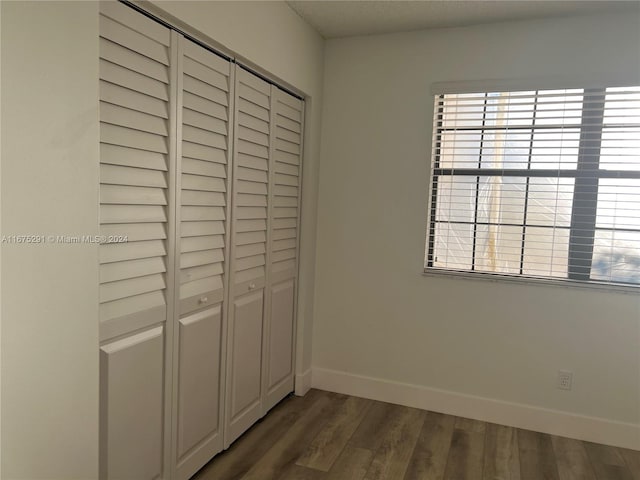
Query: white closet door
[
  {"x": 249, "y": 252},
  {"x": 205, "y": 109},
  {"x": 284, "y": 201},
  {"x": 135, "y": 107}
]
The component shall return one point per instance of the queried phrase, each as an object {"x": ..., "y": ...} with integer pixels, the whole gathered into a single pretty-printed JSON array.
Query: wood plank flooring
[{"x": 327, "y": 436}]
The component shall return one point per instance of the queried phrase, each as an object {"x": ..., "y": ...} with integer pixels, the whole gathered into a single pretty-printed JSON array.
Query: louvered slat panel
[
  {"x": 135, "y": 232},
  {"x": 251, "y": 175},
  {"x": 116, "y": 252},
  {"x": 119, "y": 175},
  {"x": 253, "y": 123},
  {"x": 283, "y": 244},
  {"x": 134, "y": 135},
  {"x": 284, "y": 233},
  {"x": 286, "y": 181},
  {"x": 203, "y": 178},
  {"x": 133, "y": 40},
  {"x": 111, "y": 272},
  {"x": 137, "y": 139},
  {"x": 250, "y": 225},
  {"x": 248, "y": 200},
  {"x": 202, "y": 213},
  {"x": 202, "y": 105},
  {"x": 117, "y": 95},
  {"x": 203, "y": 183},
  {"x": 119, "y": 55},
  {"x": 206, "y": 73},
  {"x": 194, "y": 244},
  {"x": 125, "y": 117},
  {"x": 204, "y": 137},
  {"x": 128, "y": 195},
  {"x": 251, "y": 183},
  {"x": 280, "y": 223},
  {"x": 202, "y": 167},
  {"x": 194, "y": 197},
  {"x": 197, "y": 229},
  {"x": 137, "y": 304},
  {"x": 132, "y": 214},
  {"x": 249, "y": 161},
  {"x": 200, "y": 272},
  {"x": 245, "y": 238},
  {"x": 249, "y": 250},
  {"x": 126, "y": 157},
  {"x": 253, "y": 149},
  {"x": 204, "y": 121},
  {"x": 203, "y": 257},
  {"x": 250, "y": 213},
  {"x": 204, "y": 90},
  {"x": 118, "y": 75},
  {"x": 286, "y": 157},
  {"x": 122, "y": 14},
  {"x": 198, "y": 151},
  {"x": 254, "y": 188}
]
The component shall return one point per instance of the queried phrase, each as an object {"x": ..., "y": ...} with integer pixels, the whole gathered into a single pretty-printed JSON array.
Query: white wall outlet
[{"x": 565, "y": 379}]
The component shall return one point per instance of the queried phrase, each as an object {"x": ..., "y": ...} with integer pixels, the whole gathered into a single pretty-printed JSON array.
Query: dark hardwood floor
[{"x": 327, "y": 436}]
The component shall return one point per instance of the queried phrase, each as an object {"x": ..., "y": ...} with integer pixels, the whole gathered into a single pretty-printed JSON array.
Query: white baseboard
[
  {"x": 528, "y": 417},
  {"x": 303, "y": 383}
]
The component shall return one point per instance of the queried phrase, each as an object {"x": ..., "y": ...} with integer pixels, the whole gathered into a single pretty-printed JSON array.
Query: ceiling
[{"x": 342, "y": 18}]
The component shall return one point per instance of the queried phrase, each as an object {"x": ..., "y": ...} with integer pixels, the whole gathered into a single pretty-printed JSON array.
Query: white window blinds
[{"x": 539, "y": 183}]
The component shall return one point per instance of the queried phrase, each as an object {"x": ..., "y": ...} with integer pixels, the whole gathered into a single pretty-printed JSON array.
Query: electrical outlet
[{"x": 565, "y": 379}]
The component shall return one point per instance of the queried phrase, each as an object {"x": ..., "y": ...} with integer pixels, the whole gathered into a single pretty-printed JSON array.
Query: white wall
[
  {"x": 50, "y": 291},
  {"x": 49, "y": 184},
  {"x": 376, "y": 314},
  {"x": 272, "y": 37}
]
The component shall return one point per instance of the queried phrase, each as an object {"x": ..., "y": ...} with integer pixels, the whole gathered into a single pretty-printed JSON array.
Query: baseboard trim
[
  {"x": 303, "y": 383},
  {"x": 555, "y": 422}
]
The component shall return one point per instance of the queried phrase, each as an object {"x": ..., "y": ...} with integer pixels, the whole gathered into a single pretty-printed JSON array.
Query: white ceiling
[{"x": 342, "y": 18}]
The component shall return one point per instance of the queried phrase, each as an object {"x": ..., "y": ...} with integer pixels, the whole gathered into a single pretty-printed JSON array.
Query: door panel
[
  {"x": 279, "y": 368},
  {"x": 246, "y": 363},
  {"x": 131, "y": 405},
  {"x": 281, "y": 344},
  {"x": 199, "y": 426}
]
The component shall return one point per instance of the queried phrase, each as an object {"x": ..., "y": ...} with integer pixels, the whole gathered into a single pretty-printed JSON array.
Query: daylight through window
[{"x": 537, "y": 184}]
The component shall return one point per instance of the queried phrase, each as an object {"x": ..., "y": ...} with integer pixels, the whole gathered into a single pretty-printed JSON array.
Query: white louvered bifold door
[
  {"x": 284, "y": 208},
  {"x": 249, "y": 252},
  {"x": 205, "y": 110},
  {"x": 135, "y": 124}
]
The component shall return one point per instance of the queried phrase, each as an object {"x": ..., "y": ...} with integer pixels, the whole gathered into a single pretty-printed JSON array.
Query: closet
[{"x": 200, "y": 175}]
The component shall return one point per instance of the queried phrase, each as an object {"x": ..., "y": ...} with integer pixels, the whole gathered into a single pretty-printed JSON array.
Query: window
[{"x": 539, "y": 183}]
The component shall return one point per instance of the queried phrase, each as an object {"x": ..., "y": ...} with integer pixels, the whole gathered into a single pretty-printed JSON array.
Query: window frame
[{"x": 582, "y": 228}]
